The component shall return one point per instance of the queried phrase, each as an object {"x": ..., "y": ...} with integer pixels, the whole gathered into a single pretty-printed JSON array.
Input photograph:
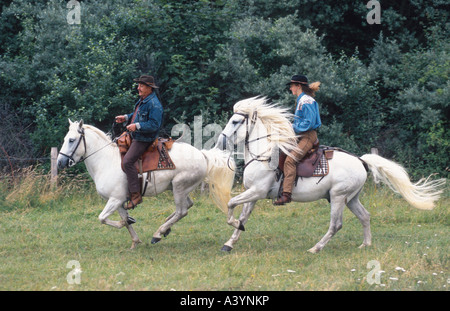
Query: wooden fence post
[{"x": 54, "y": 166}]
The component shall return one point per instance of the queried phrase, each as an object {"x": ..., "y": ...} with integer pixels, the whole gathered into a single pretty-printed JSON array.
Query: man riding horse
[{"x": 144, "y": 125}]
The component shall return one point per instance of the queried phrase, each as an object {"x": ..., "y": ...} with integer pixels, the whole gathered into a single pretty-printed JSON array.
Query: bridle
[
  {"x": 70, "y": 157},
  {"x": 254, "y": 157},
  {"x": 83, "y": 138}
]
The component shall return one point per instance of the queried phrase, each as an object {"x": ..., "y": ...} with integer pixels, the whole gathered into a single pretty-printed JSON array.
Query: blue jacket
[
  {"x": 307, "y": 115},
  {"x": 148, "y": 119}
]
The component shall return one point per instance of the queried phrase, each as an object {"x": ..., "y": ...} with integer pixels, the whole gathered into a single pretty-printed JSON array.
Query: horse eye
[{"x": 71, "y": 140}]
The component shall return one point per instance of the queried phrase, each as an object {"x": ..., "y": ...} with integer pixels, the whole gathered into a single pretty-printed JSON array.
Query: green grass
[{"x": 41, "y": 230}]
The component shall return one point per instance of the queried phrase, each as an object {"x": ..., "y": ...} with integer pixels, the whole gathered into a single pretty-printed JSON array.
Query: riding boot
[
  {"x": 285, "y": 198},
  {"x": 135, "y": 199}
]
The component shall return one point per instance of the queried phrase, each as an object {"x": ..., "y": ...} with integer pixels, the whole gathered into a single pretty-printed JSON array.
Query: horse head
[
  {"x": 234, "y": 133},
  {"x": 264, "y": 120},
  {"x": 74, "y": 146}
]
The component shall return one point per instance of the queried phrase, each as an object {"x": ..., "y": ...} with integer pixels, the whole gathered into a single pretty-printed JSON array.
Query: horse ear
[
  {"x": 81, "y": 123},
  {"x": 254, "y": 116},
  {"x": 70, "y": 121}
]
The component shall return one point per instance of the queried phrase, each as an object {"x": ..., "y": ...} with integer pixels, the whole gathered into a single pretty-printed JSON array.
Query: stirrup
[{"x": 125, "y": 204}]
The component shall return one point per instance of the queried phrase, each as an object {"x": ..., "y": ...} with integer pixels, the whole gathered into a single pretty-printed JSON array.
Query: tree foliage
[{"x": 383, "y": 86}]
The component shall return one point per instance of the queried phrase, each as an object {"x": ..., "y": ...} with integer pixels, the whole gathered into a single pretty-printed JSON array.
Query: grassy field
[{"x": 43, "y": 229}]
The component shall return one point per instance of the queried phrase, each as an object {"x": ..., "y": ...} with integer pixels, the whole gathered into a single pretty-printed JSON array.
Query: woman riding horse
[{"x": 306, "y": 122}]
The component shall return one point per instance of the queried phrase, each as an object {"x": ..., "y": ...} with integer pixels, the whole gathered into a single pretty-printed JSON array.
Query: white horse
[
  {"x": 265, "y": 128},
  {"x": 103, "y": 162}
]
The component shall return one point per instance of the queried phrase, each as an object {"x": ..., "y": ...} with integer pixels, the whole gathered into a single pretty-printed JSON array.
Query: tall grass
[
  {"x": 43, "y": 228},
  {"x": 32, "y": 188}
]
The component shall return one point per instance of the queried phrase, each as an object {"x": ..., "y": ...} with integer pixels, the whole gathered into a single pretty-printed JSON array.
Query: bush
[
  {"x": 415, "y": 90},
  {"x": 383, "y": 86}
]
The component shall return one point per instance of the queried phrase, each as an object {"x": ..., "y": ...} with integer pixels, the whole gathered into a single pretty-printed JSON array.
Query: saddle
[
  {"x": 155, "y": 158},
  {"x": 313, "y": 164}
]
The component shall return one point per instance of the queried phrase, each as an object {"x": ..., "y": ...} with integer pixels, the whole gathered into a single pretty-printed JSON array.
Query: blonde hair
[{"x": 311, "y": 89}]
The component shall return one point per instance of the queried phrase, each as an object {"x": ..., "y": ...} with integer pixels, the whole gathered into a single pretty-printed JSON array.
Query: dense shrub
[{"x": 383, "y": 86}]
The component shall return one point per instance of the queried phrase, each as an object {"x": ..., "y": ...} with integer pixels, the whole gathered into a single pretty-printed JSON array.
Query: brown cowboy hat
[{"x": 147, "y": 80}]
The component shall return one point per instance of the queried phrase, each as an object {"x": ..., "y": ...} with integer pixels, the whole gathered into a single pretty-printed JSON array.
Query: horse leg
[
  {"x": 112, "y": 205},
  {"x": 167, "y": 232},
  {"x": 243, "y": 218},
  {"x": 182, "y": 204},
  {"x": 134, "y": 237},
  {"x": 364, "y": 217},
  {"x": 190, "y": 203},
  {"x": 337, "y": 210},
  {"x": 249, "y": 195}
]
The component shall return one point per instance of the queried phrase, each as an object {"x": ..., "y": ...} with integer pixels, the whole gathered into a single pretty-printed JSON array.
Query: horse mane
[
  {"x": 275, "y": 118},
  {"x": 100, "y": 133}
]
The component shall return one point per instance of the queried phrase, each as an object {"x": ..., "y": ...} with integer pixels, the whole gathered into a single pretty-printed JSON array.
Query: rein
[{"x": 255, "y": 157}]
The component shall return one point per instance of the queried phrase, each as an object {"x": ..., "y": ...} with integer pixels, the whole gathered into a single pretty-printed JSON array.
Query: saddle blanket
[
  {"x": 164, "y": 160},
  {"x": 314, "y": 164},
  {"x": 322, "y": 169}
]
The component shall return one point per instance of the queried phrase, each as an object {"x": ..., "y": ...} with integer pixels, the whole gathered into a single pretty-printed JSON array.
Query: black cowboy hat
[
  {"x": 147, "y": 80},
  {"x": 298, "y": 79}
]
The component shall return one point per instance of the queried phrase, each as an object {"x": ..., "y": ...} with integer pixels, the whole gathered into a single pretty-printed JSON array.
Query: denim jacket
[
  {"x": 307, "y": 115},
  {"x": 148, "y": 119}
]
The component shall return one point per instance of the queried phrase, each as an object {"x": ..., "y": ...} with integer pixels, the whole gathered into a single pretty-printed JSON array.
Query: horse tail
[
  {"x": 421, "y": 195},
  {"x": 220, "y": 176}
]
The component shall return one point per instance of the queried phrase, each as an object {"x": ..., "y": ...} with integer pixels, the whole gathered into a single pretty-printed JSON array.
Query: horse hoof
[
  {"x": 226, "y": 248},
  {"x": 131, "y": 220},
  {"x": 313, "y": 250},
  {"x": 167, "y": 232},
  {"x": 241, "y": 227},
  {"x": 155, "y": 240},
  {"x": 134, "y": 244},
  {"x": 364, "y": 245}
]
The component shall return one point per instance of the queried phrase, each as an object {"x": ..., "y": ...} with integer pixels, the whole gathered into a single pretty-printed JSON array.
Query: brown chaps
[
  {"x": 305, "y": 144},
  {"x": 137, "y": 148}
]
